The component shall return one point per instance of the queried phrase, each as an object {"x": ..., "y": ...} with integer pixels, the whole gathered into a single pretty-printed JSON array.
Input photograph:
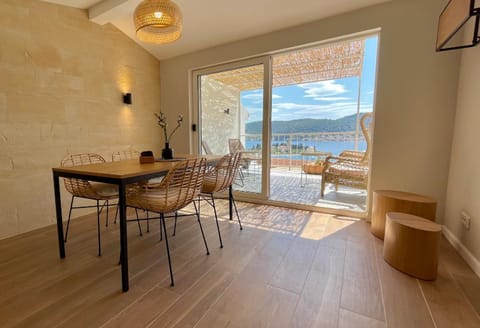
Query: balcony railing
[{"x": 287, "y": 148}]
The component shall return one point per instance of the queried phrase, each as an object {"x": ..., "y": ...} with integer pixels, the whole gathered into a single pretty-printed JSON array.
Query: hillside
[{"x": 346, "y": 123}]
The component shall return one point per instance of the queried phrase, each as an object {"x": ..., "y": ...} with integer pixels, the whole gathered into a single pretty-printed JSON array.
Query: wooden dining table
[{"x": 119, "y": 173}]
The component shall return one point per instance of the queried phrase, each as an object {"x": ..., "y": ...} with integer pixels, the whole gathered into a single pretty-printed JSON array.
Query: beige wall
[
  {"x": 61, "y": 84},
  {"x": 416, "y": 91},
  {"x": 463, "y": 191}
]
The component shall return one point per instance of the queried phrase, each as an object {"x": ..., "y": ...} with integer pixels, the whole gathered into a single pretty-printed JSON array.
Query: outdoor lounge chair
[{"x": 350, "y": 168}]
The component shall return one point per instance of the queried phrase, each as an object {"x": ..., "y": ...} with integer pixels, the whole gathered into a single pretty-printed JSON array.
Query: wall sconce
[
  {"x": 127, "y": 98},
  {"x": 225, "y": 111},
  {"x": 453, "y": 18}
]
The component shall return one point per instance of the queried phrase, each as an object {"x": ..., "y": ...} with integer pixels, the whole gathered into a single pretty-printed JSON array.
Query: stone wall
[
  {"x": 218, "y": 126},
  {"x": 61, "y": 84}
]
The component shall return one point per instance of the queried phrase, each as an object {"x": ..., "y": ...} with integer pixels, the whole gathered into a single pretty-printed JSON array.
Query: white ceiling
[{"x": 213, "y": 22}]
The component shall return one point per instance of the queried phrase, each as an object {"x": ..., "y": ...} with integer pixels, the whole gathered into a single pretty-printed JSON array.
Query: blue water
[{"x": 334, "y": 147}]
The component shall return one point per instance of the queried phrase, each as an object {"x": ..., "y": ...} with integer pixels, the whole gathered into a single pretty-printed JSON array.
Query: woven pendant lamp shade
[{"x": 158, "y": 21}]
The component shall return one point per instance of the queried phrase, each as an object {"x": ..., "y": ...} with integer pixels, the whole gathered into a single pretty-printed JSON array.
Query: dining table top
[{"x": 126, "y": 168}]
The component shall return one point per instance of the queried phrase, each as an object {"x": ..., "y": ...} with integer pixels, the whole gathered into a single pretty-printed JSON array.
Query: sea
[{"x": 333, "y": 147}]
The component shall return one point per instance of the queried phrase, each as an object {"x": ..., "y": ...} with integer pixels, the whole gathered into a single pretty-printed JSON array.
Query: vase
[{"x": 167, "y": 152}]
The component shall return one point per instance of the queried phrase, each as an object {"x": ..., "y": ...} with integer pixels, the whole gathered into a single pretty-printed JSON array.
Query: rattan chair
[
  {"x": 124, "y": 155},
  {"x": 206, "y": 148},
  {"x": 87, "y": 189},
  {"x": 351, "y": 167},
  {"x": 180, "y": 187},
  {"x": 219, "y": 178},
  {"x": 249, "y": 157}
]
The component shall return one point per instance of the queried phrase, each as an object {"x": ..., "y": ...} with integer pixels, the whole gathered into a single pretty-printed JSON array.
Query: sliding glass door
[
  {"x": 222, "y": 118},
  {"x": 301, "y": 118}
]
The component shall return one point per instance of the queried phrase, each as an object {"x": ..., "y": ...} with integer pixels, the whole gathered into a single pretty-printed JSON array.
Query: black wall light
[{"x": 127, "y": 98}]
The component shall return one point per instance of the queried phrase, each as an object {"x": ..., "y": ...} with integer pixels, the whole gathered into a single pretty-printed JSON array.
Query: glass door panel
[{"x": 223, "y": 116}]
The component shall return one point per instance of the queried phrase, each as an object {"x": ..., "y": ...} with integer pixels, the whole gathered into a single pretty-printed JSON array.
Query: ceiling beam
[{"x": 104, "y": 11}]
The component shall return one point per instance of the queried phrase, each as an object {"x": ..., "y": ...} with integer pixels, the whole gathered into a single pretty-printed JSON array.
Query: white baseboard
[{"x": 471, "y": 260}]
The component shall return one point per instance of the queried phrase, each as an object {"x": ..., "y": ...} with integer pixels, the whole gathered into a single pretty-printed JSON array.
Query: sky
[{"x": 330, "y": 99}]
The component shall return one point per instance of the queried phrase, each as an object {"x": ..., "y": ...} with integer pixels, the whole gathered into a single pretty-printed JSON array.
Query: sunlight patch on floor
[{"x": 320, "y": 225}]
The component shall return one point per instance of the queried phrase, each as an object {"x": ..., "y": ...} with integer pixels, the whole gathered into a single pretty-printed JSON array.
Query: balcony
[{"x": 289, "y": 182}]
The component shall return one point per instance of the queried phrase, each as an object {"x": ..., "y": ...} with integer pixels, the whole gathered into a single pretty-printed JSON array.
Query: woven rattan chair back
[
  {"x": 179, "y": 187},
  {"x": 221, "y": 176},
  {"x": 124, "y": 155},
  {"x": 237, "y": 159},
  {"x": 80, "y": 187}
]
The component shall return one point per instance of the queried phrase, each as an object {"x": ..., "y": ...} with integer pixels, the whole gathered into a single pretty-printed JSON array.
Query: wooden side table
[
  {"x": 412, "y": 245},
  {"x": 399, "y": 201}
]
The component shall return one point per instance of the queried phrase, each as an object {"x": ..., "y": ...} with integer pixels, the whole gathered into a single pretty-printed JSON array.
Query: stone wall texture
[
  {"x": 61, "y": 83},
  {"x": 217, "y": 126}
]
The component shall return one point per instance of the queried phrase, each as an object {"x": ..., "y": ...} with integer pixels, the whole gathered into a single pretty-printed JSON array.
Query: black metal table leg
[
  {"x": 123, "y": 236},
  {"x": 58, "y": 209}
]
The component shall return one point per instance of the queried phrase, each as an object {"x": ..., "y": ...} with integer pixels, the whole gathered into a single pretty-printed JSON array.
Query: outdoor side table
[{"x": 319, "y": 155}]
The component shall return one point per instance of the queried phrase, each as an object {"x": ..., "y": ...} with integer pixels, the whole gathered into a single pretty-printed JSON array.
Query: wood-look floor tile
[
  {"x": 354, "y": 320},
  {"x": 448, "y": 304},
  {"x": 360, "y": 279},
  {"x": 287, "y": 268},
  {"x": 319, "y": 302},
  {"x": 403, "y": 299}
]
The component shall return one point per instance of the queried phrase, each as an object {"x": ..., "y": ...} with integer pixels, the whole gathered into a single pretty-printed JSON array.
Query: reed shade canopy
[
  {"x": 333, "y": 61},
  {"x": 158, "y": 21}
]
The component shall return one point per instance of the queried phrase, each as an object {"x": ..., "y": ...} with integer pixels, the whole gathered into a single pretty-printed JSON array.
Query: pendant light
[{"x": 158, "y": 21}]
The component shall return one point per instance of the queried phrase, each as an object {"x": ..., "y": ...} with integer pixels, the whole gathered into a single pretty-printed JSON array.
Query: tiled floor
[
  {"x": 286, "y": 268},
  {"x": 290, "y": 185}
]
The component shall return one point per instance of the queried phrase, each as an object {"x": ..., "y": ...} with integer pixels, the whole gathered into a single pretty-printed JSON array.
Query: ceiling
[{"x": 214, "y": 22}]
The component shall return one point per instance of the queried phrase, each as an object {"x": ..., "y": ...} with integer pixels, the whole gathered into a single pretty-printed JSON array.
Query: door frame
[{"x": 195, "y": 141}]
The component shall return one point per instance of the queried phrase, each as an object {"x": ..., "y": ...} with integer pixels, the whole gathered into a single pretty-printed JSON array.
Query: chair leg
[
  {"x": 106, "y": 218},
  {"x": 322, "y": 188},
  {"x": 161, "y": 234},
  {"x": 138, "y": 222},
  {"x": 197, "y": 211},
  {"x": 162, "y": 219},
  {"x": 69, "y": 216},
  {"x": 216, "y": 220},
  {"x": 241, "y": 177},
  {"x": 98, "y": 229},
  {"x": 116, "y": 213},
  {"x": 236, "y": 211},
  {"x": 175, "y": 224},
  {"x": 148, "y": 223}
]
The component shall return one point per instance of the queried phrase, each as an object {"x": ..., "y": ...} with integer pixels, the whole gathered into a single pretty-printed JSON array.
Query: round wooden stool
[
  {"x": 399, "y": 201},
  {"x": 411, "y": 245}
]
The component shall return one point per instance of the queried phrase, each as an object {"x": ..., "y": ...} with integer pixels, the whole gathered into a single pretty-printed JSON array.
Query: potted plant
[{"x": 167, "y": 152}]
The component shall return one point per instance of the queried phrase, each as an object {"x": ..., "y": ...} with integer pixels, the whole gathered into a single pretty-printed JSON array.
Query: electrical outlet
[{"x": 465, "y": 218}]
